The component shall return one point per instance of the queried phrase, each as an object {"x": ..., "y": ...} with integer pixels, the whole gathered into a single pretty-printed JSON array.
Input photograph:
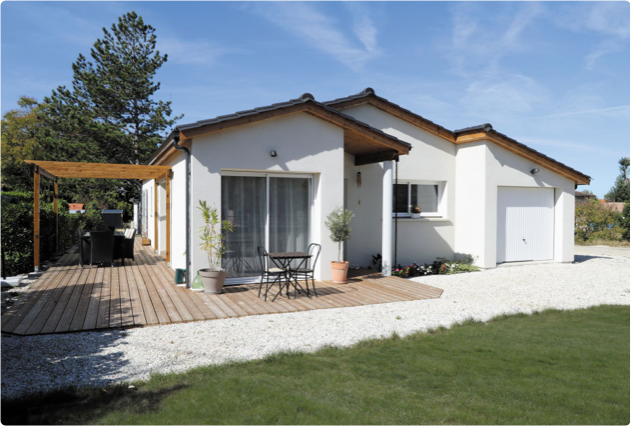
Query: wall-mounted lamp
[
  {"x": 273, "y": 154},
  {"x": 534, "y": 171},
  {"x": 359, "y": 179}
]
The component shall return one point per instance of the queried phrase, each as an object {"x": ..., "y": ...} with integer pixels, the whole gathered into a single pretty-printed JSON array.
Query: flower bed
[{"x": 440, "y": 266}]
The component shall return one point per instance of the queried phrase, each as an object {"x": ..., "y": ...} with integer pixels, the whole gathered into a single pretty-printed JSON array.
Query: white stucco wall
[
  {"x": 481, "y": 168},
  {"x": 304, "y": 144},
  {"x": 177, "y": 161},
  {"x": 431, "y": 159},
  {"x": 148, "y": 219}
]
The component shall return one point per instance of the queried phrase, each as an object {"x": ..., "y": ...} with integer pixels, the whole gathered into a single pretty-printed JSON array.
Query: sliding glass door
[{"x": 271, "y": 211}]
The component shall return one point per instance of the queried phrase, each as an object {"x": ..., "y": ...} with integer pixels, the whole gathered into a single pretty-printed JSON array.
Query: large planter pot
[
  {"x": 415, "y": 215},
  {"x": 340, "y": 272},
  {"x": 213, "y": 281}
]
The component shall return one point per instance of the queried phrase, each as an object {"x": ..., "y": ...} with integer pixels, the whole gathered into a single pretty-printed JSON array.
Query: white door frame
[{"x": 267, "y": 175}]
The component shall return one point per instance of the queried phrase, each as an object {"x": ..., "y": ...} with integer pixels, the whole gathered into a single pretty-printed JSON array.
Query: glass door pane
[
  {"x": 289, "y": 214},
  {"x": 243, "y": 202}
]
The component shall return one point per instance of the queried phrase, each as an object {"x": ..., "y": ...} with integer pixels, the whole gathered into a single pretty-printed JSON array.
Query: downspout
[{"x": 176, "y": 141}]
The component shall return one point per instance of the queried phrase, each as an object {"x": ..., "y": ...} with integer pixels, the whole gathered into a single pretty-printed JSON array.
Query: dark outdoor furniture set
[
  {"x": 278, "y": 267},
  {"x": 103, "y": 245}
]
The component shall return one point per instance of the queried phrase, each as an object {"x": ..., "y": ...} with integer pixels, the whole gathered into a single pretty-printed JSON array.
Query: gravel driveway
[{"x": 97, "y": 358}]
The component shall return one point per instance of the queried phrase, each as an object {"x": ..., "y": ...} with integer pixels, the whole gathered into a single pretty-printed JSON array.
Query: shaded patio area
[{"x": 142, "y": 293}]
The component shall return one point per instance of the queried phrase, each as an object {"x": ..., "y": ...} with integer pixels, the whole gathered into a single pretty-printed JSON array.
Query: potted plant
[
  {"x": 212, "y": 243},
  {"x": 416, "y": 212},
  {"x": 337, "y": 222}
]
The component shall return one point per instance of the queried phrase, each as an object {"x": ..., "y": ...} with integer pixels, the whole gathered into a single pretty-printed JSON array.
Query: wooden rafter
[{"x": 62, "y": 169}]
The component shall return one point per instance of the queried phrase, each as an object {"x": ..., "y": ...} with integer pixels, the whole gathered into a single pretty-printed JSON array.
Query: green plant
[
  {"x": 338, "y": 222},
  {"x": 595, "y": 221},
  {"x": 625, "y": 221},
  {"x": 212, "y": 237}
]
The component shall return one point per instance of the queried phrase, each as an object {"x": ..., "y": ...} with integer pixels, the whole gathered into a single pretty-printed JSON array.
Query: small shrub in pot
[
  {"x": 338, "y": 224},
  {"x": 213, "y": 235}
]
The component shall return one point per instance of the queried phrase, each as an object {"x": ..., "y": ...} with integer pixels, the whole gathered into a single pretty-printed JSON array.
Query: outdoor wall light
[
  {"x": 359, "y": 179},
  {"x": 273, "y": 154},
  {"x": 534, "y": 171}
]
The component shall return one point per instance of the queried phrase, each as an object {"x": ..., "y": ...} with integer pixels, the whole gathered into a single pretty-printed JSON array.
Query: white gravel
[{"x": 40, "y": 363}]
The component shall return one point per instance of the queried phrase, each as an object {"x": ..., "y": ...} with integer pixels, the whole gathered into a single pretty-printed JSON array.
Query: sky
[{"x": 554, "y": 76}]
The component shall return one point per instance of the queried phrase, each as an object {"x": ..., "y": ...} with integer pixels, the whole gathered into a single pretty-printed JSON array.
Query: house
[
  {"x": 74, "y": 208},
  {"x": 581, "y": 197},
  {"x": 617, "y": 207},
  {"x": 277, "y": 171}
]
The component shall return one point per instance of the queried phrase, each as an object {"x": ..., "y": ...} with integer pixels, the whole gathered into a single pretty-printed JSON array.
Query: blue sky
[{"x": 554, "y": 76}]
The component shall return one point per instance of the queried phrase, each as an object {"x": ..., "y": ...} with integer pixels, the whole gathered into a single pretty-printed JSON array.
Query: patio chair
[
  {"x": 84, "y": 246},
  {"x": 127, "y": 249},
  {"x": 276, "y": 273},
  {"x": 102, "y": 247},
  {"x": 307, "y": 273}
]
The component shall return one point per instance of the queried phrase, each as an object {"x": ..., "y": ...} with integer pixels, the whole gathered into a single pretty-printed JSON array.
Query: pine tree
[
  {"x": 620, "y": 191},
  {"x": 110, "y": 114}
]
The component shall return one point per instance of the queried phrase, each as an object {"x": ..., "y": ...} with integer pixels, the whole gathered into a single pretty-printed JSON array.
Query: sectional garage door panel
[{"x": 525, "y": 224}]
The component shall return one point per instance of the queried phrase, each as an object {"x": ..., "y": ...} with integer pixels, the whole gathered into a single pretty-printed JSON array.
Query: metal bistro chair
[
  {"x": 102, "y": 247},
  {"x": 307, "y": 273},
  {"x": 276, "y": 273}
]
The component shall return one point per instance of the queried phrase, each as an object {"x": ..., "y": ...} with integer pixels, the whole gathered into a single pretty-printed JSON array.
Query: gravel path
[{"x": 52, "y": 361}]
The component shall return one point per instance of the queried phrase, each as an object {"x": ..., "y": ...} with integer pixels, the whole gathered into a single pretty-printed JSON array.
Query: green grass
[{"x": 554, "y": 367}]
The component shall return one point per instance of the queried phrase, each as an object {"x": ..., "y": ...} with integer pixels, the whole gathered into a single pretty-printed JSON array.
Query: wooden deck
[{"x": 142, "y": 293}]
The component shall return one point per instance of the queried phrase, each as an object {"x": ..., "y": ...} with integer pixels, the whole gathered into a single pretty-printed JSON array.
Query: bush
[
  {"x": 595, "y": 221},
  {"x": 440, "y": 266},
  {"x": 623, "y": 222},
  {"x": 17, "y": 231}
]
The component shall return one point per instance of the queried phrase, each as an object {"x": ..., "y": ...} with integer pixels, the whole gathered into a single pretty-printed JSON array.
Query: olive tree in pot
[
  {"x": 337, "y": 222},
  {"x": 213, "y": 234}
]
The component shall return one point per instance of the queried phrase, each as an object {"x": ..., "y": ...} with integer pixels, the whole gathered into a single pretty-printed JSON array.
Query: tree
[
  {"x": 20, "y": 128},
  {"x": 338, "y": 222},
  {"x": 619, "y": 192},
  {"x": 111, "y": 107},
  {"x": 624, "y": 221}
]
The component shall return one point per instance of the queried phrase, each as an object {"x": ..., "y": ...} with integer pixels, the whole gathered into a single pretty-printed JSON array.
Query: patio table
[
  {"x": 119, "y": 236},
  {"x": 283, "y": 260}
]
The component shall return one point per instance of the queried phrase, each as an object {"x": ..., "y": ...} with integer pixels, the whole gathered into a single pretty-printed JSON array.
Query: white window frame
[{"x": 442, "y": 199}]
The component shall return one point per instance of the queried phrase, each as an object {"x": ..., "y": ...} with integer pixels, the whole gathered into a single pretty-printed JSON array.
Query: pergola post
[
  {"x": 155, "y": 215},
  {"x": 386, "y": 225},
  {"x": 168, "y": 216},
  {"x": 55, "y": 209},
  {"x": 36, "y": 219}
]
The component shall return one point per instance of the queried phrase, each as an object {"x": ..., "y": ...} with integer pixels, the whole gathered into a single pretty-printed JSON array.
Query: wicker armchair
[{"x": 127, "y": 249}]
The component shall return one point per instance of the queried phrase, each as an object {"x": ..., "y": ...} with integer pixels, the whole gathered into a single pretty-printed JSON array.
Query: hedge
[{"x": 17, "y": 231}]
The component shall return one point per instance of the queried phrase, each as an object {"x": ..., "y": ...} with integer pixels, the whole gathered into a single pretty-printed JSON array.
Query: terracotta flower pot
[
  {"x": 340, "y": 272},
  {"x": 213, "y": 281}
]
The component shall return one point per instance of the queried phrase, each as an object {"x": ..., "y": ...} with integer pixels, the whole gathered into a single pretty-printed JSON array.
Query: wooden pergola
[{"x": 58, "y": 169}]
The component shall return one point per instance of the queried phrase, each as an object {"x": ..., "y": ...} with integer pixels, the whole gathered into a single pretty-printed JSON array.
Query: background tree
[
  {"x": 619, "y": 192},
  {"x": 110, "y": 114},
  {"x": 20, "y": 141}
]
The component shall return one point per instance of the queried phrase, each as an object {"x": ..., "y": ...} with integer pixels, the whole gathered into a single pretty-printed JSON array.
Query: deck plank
[{"x": 142, "y": 292}]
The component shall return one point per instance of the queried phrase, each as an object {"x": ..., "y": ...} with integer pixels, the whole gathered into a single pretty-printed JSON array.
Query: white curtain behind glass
[
  {"x": 289, "y": 214},
  {"x": 243, "y": 203}
]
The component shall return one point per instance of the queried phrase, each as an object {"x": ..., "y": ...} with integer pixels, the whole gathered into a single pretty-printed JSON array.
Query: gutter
[{"x": 176, "y": 144}]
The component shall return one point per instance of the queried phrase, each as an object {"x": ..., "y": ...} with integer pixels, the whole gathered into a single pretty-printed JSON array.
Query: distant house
[
  {"x": 76, "y": 208},
  {"x": 617, "y": 207},
  {"x": 581, "y": 197}
]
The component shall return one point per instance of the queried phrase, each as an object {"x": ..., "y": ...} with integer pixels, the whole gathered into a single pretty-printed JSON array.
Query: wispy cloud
[
  {"x": 622, "y": 110},
  {"x": 194, "y": 51},
  {"x": 479, "y": 42},
  {"x": 325, "y": 33},
  {"x": 608, "y": 19}
]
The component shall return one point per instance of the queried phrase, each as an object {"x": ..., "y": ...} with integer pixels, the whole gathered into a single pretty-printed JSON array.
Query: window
[{"x": 425, "y": 195}]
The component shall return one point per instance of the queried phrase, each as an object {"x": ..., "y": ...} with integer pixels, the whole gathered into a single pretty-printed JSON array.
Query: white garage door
[{"x": 525, "y": 224}]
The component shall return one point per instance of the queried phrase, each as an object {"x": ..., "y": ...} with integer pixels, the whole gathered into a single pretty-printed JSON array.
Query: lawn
[{"x": 554, "y": 367}]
